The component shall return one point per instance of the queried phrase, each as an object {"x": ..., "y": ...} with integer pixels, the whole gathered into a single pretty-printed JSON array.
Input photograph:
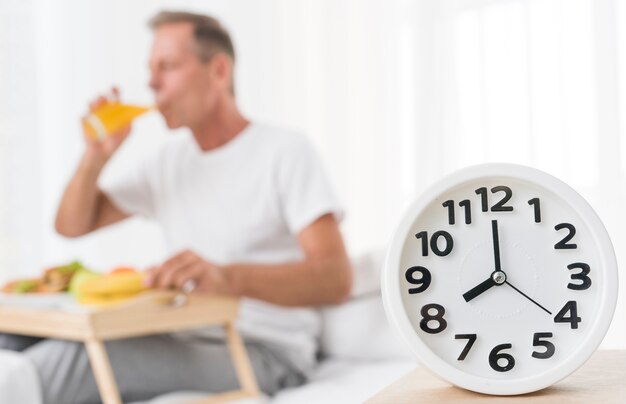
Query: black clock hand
[
  {"x": 497, "y": 278},
  {"x": 496, "y": 245},
  {"x": 479, "y": 289},
  {"x": 527, "y": 297}
]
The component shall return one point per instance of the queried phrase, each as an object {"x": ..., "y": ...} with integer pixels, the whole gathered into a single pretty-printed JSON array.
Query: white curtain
[{"x": 394, "y": 94}]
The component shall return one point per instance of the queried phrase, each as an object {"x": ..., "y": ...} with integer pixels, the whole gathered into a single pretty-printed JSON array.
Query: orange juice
[{"x": 111, "y": 117}]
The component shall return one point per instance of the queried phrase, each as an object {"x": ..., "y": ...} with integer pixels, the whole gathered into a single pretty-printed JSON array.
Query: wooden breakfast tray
[{"x": 58, "y": 316}]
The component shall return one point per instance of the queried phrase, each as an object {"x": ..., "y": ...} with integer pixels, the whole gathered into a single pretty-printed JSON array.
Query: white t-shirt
[{"x": 244, "y": 202}]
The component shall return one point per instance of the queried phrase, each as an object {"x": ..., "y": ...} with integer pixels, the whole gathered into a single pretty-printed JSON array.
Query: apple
[{"x": 79, "y": 277}]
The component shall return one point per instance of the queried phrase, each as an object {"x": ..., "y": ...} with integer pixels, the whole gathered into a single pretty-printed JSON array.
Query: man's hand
[
  {"x": 188, "y": 266},
  {"x": 84, "y": 207},
  {"x": 103, "y": 149}
]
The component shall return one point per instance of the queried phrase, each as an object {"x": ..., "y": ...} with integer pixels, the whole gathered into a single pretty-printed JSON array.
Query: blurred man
[{"x": 246, "y": 210}]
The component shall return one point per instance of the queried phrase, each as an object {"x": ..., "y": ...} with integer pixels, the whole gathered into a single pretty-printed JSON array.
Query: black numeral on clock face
[
  {"x": 434, "y": 242},
  {"x": 537, "y": 341},
  {"x": 450, "y": 205},
  {"x": 437, "y": 317},
  {"x": 500, "y": 206},
  {"x": 496, "y": 357},
  {"x": 503, "y": 362},
  {"x": 465, "y": 204},
  {"x": 471, "y": 338},
  {"x": 423, "y": 281},
  {"x": 564, "y": 244},
  {"x": 573, "y": 319},
  {"x": 535, "y": 203},
  {"x": 581, "y": 276}
]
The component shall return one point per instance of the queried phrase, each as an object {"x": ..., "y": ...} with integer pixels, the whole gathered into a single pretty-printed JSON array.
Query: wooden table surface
[{"x": 601, "y": 380}]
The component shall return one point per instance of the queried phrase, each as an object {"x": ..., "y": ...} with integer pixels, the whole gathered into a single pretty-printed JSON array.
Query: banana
[
  {"x": 107, "y": 290},
  {"x": 105, "y": 300},
  {"x": 128, "y": 283}
]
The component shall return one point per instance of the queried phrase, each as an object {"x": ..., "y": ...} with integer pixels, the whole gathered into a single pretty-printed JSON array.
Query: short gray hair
[{"x": 210, "y": 36}]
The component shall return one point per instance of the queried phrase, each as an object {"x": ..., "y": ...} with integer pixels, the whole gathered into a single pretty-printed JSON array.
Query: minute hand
[
  {"x": 496, "y": 244},
  {"x": 528, "y": 297}
]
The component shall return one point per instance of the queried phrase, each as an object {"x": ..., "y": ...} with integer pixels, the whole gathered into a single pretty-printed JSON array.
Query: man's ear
[{"x": 222, "y": 69}]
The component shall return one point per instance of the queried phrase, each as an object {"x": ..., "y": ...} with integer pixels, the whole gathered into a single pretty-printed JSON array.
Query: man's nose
[{"x": 154, "y": 82}]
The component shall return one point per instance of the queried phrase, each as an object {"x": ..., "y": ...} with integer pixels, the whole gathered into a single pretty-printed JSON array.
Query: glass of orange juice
[{"x": 111, "y": 117}]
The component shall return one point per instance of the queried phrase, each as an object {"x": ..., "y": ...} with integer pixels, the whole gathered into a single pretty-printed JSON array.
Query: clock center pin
[{"x": 498, "y": 277}]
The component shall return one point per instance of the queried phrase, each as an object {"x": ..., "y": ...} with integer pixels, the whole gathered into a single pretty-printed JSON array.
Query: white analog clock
[{"x": 501, "y": 278}]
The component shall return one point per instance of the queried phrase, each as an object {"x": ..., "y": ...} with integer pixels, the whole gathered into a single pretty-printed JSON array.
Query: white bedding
[
  {"x": 335, "y": 381},
  {"x": 19, "y": 382}
]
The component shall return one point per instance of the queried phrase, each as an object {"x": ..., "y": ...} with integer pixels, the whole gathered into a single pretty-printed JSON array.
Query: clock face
[{"x": 502, "y": 279}]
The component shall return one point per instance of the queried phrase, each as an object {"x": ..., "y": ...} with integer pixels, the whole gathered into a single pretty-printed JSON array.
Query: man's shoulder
[{"x": 280, "y": 139}]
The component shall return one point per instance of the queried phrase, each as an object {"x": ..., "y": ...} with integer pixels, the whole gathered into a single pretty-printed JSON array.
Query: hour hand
[
  {"x": 479, "y": 289},
  {"x": 497, "y": 278}
]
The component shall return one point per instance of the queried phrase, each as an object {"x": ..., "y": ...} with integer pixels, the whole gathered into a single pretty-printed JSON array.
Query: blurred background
[{"x": 394, "y": 95}]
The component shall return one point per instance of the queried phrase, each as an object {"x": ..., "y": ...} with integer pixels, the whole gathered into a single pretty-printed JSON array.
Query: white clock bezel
[{"x": 397, "y": 316}]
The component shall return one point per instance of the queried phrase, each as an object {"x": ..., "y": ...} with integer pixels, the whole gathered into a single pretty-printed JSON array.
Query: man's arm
[
  {"x": 323, "y": 277},
  {"x": 84, "y": 207}
]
